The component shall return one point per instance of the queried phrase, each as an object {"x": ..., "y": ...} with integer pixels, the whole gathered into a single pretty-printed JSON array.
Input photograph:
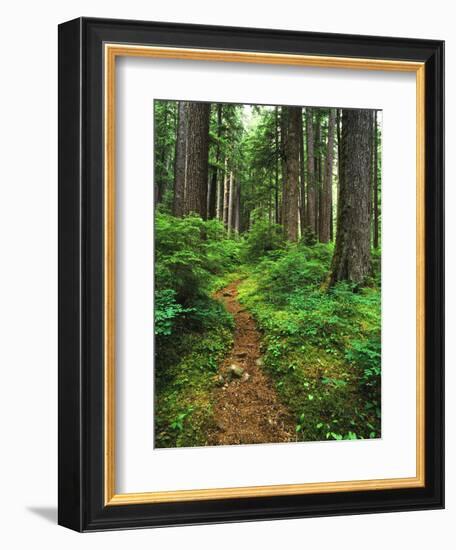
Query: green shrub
[
  {"x": 179, "y": 256},
  {"x": 207, "y": 314},
  {"x": 167, "y": 311},
  {"x": 188, "y": 252},
  {"x": 295, "y": 270},
  {"x": 308, "y": 237},
  {"x": 262, "y": 238},
  {"x": 365, "y": 354},
  {"x": 221, "y": 256}
]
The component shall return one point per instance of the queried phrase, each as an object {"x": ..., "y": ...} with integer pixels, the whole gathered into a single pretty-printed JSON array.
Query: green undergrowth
[
  {"x": 193, "y": 331},
  {"x": 183, "y": 411},
  {"x": 191, "y": 255},
  {"x": 224, "y": 280},
  {"x": 322, "y": 348}
]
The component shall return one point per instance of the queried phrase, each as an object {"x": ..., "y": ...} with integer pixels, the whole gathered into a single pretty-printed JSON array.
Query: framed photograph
[{"x": 250, "y": 274}]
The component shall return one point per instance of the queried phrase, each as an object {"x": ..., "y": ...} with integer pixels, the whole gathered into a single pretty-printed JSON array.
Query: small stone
[
  {"x": 245, "y": 376},
  {"x": 259, "y": 362},
  {"x": 236, "y": 370}
]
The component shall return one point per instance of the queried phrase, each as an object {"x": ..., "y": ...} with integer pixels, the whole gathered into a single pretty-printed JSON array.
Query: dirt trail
[{"x": 247, "y": 409}]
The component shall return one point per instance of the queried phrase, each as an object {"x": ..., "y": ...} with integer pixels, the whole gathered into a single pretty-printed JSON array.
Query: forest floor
[
  {"x": 251, "y": 349},
  {"x": 246, "y": 406}
]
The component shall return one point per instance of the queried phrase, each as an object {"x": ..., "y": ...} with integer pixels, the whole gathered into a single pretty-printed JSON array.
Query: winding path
[{"x": 246, "y": 408}]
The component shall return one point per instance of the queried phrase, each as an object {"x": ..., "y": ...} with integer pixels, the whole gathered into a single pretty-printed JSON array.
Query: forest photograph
[{"x": 267, "y": 296}]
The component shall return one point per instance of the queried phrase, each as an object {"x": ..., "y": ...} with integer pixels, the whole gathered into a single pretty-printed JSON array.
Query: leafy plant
[
  {"x": 167, "y": 311},
  {"x": 178, "y": 422},
  {"x": 263, "y": 238}
]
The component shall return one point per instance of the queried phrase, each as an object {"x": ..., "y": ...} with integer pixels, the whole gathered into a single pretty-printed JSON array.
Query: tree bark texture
[
  {"x": 326, "y": 195},
  {"x": 197, "y": 158},
  {"x": 230, "y": 204},
  {"x": 180, "y": 160},
  {"x": 302, "y": 166},
  {"x": 226, "y": 193},
  {"x": 277, "y": 160},
  {"x": 352, "y": 256},
  {"x": 291, "y": 177},
  {"x": 161, "y": 181},
  {"x": 237, "y": 218},
  {"x": 212, "y": 191},
  {"x": 375, "y": 190},
  {"x": 283, "y": 154},
  {"x": 318, "y": 149},
  {"x": 311, "y": 192}
]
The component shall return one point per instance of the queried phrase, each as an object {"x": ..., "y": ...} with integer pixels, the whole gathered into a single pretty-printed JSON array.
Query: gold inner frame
[{"x": 111, "y": 52}]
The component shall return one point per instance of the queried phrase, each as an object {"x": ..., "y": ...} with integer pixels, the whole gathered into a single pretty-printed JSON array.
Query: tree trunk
[
  {"x": 311, "y": 195},
  {"x": 219, "y": 198},
  {"x": 212, "y": 194},
  {"x": 226, "y": 193},
  {"x": 283, "y": 144},
  {"x": 230, "y": 204},
  {"x": 212, "y": 191},
  {"x": 326, "y": 195},
  {"x": 352, "y": 257},
  {"x": 180, "y": 160},
  {"x": 197, "y": 158},
  {"x": 220, "y": 193},
  {"x": 376, "y": 220},
  {"x": 318, "y": 171},
  {"x": 277, "y": 160},
  {"x": 302, "y": 164},
  {"x": 339, "y": 160},
  {"x": 237, "y": 218},
  {"x": 161, "y": 184},
  {"x": 291, "y": 176}
]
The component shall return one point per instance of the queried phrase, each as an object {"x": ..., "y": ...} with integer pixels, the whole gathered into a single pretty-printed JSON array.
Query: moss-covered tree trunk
[
  {"x": 352, "y": 257},
  {"x": 197, "y": 158}
]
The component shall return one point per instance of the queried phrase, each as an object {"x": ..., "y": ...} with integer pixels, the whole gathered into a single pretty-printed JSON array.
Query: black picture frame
[{"x": 81, "y": 471}]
